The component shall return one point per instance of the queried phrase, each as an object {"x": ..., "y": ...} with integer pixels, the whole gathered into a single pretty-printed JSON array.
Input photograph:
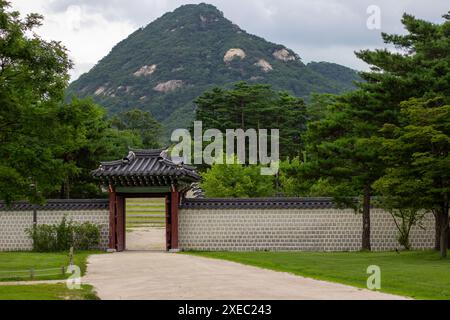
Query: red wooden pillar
[
  {"x": 112, "y": 219},
  {"x": 168, "y": 223},
  {"x": 120, "y": 227},
  {"x": 175, "y": 198}
]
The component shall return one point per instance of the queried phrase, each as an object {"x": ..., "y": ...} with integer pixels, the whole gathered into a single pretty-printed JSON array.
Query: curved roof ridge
[
  {"x": 136, "y": 168},
  {"x": 148, "y": 152},
  {"x": 110, "y": 163}
]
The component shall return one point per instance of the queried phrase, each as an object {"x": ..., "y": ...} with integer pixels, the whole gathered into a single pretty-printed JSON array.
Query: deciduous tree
[{"x": 33, "y": 76}]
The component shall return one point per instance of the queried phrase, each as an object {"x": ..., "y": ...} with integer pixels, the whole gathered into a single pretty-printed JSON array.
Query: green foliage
[
  {"x": 297, "y": 179},
  {"x": 186, "y": 47},
  {"x": 86, "y": 138},
  {"x": 417, "y": 144},
  {"x": 408, "y": 218},
  {"x": 141, "y": 123},
  {"x": 61, "y": 237},
  {"x": 247, "y": 106},
  {"x": 236, "y": 181},
  {"x": 46, "y": 266},
  {"x": 47, "y": 147},
  {"x": 64, "y": 235},
  {"x": 33, "y": 78},
  {"x": 291, "y": 178},
  {"x": 86, "y": 236},
  {"x": 318, "y": 105},
  {"x": 343, "y": 149},
  {"x": 418, "y": 154},
  {"x": 44, "y": 238},
  {"x": 44, "y": 292},
  {"x": 347, "y": 143}
]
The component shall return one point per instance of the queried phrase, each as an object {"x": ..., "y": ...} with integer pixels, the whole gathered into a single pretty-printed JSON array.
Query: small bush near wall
[
  {"x": 54, "y": 238},
  {"x": 86, "y": 236}
]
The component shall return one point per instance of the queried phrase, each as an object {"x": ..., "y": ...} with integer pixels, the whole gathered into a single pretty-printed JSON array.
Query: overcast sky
[{"x": 318, "y": 30}]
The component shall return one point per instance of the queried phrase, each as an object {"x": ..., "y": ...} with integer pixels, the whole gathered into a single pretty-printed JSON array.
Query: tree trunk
[
  {"x": 437, "y": 218},
  {"x": 62, "y": 192},
  {"x": 366, "y": 220},
  {"x": 444, "y": 233},
  {"x": 448, "y": 243}
]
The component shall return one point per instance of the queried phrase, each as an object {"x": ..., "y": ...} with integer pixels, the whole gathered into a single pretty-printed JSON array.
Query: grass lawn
[
  {"x": 16, "y": 266},
  {"x": 145, "y": 213},
  {"x": 46, "y": 292},
  {"x": 149, "y": 201},
  {"x": 420, "y": 275}
]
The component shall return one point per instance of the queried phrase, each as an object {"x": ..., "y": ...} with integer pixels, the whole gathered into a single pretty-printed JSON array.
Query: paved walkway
[{"x": 165, "y": 276}]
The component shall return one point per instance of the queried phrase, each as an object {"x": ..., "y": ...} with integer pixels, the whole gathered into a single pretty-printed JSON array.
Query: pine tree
[{"x": 257, "y": 107}]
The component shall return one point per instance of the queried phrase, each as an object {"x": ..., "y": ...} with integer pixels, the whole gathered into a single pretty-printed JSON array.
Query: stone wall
[
  {"x": 232, "y": 225},
  {"x": 287, "y": 225},
  {"x": 14, "y": 220}
]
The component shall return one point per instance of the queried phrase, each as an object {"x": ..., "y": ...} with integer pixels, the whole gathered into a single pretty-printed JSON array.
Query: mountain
[{"x": 163, "y": 67}]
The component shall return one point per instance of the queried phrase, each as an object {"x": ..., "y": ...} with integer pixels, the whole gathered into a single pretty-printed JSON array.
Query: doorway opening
[
  {"x": 159, "y": 184},
  {"x": 145, "y": 224}
]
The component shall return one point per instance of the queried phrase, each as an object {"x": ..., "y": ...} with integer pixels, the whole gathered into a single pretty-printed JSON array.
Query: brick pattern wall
[
  {"x": 12, "y": 230},
  {"x": 327, "y": 229},
  {"x": 14, "y": 223}
]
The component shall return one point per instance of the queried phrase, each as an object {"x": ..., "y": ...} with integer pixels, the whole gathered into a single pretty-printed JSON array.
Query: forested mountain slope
[{"x": 163, "y": 67}]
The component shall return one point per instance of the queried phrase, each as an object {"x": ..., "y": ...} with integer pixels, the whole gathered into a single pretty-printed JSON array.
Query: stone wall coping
[
  {"x": 55, "y": 205},
  {"x": 261, "y": 203}
]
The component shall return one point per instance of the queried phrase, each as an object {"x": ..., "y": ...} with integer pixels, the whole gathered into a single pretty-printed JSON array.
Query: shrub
[
  {"x": 44, "y": 238},
  {"x": 54, "y": 238},
  {"x": 64, "y": 235},
  {"x": 86, "y": 236}
]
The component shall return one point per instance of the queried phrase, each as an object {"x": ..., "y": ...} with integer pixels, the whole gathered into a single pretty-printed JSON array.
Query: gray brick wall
[
  {"x": 291, "y": 230},
  {"x": 14, "y": 223},
  {"x": 12, "y": 226},
  {"x": 312, "y": 225}
]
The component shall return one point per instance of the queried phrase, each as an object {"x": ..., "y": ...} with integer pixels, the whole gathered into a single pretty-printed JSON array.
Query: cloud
[
  {"x": 88, "y": 35},
  {"x": 329, "y": 30}
]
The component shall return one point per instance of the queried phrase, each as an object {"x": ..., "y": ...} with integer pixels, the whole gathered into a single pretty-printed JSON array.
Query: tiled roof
[
  {"x": 63, "y": 205},
  {"x": 264, "y": 203},
  {"x": 145, "y": 168},
  {"x": 197, "y": 191}
]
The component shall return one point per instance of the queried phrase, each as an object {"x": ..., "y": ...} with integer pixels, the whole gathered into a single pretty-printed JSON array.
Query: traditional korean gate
[{"x": 144, "y": 174}]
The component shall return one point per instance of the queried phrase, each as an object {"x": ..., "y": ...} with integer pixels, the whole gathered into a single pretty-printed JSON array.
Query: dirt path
[
  {"x": 150, "y": 239},
  {"x": 157, "y": 275}
]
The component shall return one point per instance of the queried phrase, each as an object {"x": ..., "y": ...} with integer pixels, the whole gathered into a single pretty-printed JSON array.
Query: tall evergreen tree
[
  {"x": 141, "y": 123},
  {"x": 258, "y": 106},
  {"x": 418, "y": 152},
  {"x": 343, "y": 150},
  {"x": 346, "y": 144},
  {"x": 420, "y": 70}
]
